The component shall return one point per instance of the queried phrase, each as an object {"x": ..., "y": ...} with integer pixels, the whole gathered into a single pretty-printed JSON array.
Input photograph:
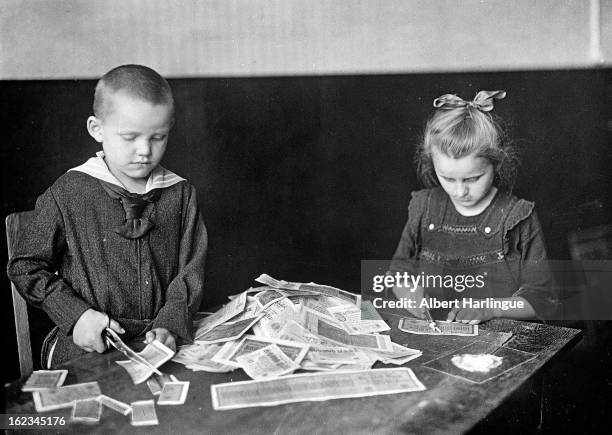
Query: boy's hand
[
  {"x": 87, "y": 331},
  {"x": 472, "y": 316},
  {"x": 163, "y": 335}
]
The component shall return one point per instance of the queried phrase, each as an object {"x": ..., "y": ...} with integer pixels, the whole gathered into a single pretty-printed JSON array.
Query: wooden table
[{"x": 449, "y": 405}]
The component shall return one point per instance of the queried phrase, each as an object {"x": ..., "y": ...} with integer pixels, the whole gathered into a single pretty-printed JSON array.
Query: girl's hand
[
  {"x": 162, "y": 335},
  {"x": 472, "y": 316},
  {"x": 416, "y": 296},
  {"x": 87, "y": 331}
]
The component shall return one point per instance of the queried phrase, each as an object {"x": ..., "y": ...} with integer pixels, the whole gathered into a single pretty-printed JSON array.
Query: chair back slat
[{"x": 15, "y": 223}]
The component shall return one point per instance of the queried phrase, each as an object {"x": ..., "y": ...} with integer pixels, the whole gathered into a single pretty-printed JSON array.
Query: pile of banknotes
[
  {"x": 271, "y": 332},
  {"x": 280, "y": 327}
]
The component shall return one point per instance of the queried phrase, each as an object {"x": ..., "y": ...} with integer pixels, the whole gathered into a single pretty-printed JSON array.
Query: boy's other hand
[
  {"x": 87, "y": 331},
  {"x": 162, "y": 335}
]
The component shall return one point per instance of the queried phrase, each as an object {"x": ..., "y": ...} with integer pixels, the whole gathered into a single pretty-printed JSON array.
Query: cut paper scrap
[
  {"x": 477, "y": 363},
  {"x": 510, "y": 360}
]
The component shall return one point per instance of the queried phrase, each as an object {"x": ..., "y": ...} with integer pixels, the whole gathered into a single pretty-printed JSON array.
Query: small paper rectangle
[
  {"x": 173, "y": 393},
  {"x": 87, "y": 410},
  {"x": 62, "y": 397},
  {"x": 157, "y": 382},
  {"x": 44, "y": 379},
  {"x": 143, "y": 413},
  {"x": 115, "y": 405}
]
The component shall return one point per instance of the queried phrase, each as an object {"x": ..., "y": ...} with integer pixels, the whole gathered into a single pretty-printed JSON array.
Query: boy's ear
[{"x": 94, "y": 128}]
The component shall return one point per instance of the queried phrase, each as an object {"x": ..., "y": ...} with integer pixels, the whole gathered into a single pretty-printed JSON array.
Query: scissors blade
[
  {"x": 113, "y": 339},
  {"x": 432, "y": 322}
]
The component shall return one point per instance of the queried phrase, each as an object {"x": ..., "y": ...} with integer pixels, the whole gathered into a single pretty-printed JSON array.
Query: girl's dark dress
[{"x": 503, "y": 244}]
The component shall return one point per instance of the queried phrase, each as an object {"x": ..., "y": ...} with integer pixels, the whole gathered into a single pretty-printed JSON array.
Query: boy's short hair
[{"x": 138, "y": 81}]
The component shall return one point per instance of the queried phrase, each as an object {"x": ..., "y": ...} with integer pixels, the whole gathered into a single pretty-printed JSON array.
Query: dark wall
[{"x": 303, "y": 177}]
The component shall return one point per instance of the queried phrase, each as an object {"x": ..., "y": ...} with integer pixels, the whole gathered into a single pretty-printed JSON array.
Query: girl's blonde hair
[{"x": 459, "y": 128}]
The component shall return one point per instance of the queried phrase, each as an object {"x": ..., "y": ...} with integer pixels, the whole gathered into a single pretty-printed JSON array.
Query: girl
[{"x": 467, "y": 236}]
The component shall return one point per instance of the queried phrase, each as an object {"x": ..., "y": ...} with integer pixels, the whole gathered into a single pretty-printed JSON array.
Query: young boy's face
[{"x": 134, "y": 134}]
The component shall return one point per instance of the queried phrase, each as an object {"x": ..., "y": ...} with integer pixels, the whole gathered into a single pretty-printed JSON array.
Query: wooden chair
[{"x": 15, "y": 223}]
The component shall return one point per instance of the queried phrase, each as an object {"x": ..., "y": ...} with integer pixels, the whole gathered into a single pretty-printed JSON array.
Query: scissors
[
  {"x": 432, "y": 322},
  {"x": 112, "y": 339}
]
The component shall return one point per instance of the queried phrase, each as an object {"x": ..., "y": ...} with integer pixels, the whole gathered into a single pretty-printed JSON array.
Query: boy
[{"x": 118, "y": 241}]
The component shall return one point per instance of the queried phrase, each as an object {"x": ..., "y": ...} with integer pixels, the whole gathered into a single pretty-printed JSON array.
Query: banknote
[
  {"x": 115, "y": 405},
  {"x": 274, "y": 316},
  {"x": 368, "y": 312},
  {"x": 351, "y": 319},
  {"x": 418, "y": 326},
  {"x": 310, "y": 365},
  {"x": 252, "y": 309},
  {"x": 320, "y": 305},
  {"x": 334, "y": 332},
  {"x": 229, "y": 310},
  {"x": 173, "y": 393},
  {"x": 269, "y": 281},
  {"x": 332, "y": 292},
  {"x": 338, "y": 355},
  {"x": 311, "y": 287},
  {"x": 143, "y": 413},
  {"x": 314, "y": 387},
  {"x": 268, "y": 296},
  {"x": 266, "y": 362},
  {"x": 358, "y": 366},
  {"x": 210, "y": 368},
  {"x": 155, "y": 353},
  {"x": 43, "y": 379},
  {"x": 87, "y": 410},
  {"x": 249, "y": 343},
  {"x": 293, "y": 331},
  {"x": 227, "y": 331},
  {"x": 157, "y": 382},
  {"x": 199, "y": 357},
  {"x": 400, "y": 355},
  {"x": 137, "y": 372},
  {"x": 62, "y": 397}
]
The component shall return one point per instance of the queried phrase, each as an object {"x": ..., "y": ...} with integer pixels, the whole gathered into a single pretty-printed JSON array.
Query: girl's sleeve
[
  {"x": 405, "y": 252},
  {"x": 184, "y": 294},
  {"x": 34, "y": 264},
  {"x": 403, "y": 259},
  {"x": 536, "y": 283}
]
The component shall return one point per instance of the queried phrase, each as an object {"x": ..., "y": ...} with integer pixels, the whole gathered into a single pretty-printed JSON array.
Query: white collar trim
[{"x": 159, "y": 178}]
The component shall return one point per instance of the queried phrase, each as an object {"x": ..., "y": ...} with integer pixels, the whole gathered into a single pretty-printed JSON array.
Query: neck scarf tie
[{"x": 134, "y": 226}]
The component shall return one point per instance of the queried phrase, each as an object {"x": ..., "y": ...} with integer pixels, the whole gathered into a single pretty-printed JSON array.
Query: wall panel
[{"x": 185, "y": 38}]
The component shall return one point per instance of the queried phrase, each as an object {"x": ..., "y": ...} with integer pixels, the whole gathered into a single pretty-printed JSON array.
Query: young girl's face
[{"x": 468, "y": 180}]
